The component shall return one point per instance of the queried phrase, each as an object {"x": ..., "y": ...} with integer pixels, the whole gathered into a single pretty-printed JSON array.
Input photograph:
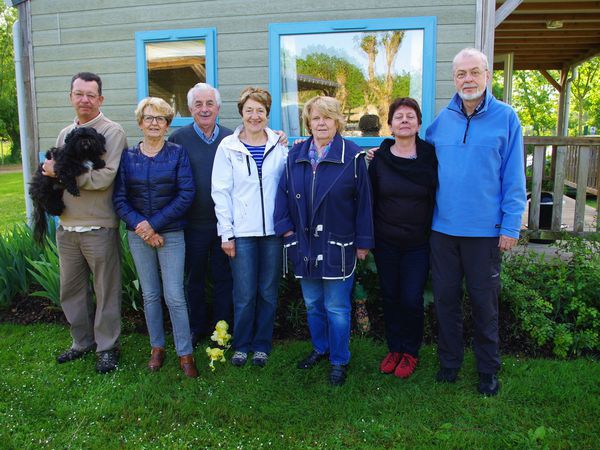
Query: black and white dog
[{"x": 82, "y": 151}]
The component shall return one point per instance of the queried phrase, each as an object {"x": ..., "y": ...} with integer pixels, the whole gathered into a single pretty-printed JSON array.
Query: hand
[
  {"x": 155, "y": 241},
  {"x": 288, "y": 233},
  {"x": 48, "y": 168},
  {"x": 229, "y": 248},
  {"x": 283, "y": 139},
  {"x": 144, "y": 230},
  {"x": 371, "y": 153},
  {"x": 506, "y": 243},
  {"x": 361, "y": 253},
  {"x": 299, "y": 141}
]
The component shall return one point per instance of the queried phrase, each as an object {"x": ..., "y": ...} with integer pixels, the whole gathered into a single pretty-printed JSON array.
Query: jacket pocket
[
  {"x": 341, "y": 254},
  {"x": 290, "y": 253}
]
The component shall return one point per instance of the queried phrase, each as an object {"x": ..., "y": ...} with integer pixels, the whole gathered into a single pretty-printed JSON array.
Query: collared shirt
[
  {"x": 212, "y": 137},
  {"x": 478, "y": 108},
  {"x": 313, "y": 154}
]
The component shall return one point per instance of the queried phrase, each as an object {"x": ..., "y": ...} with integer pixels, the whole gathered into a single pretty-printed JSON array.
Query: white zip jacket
[{"x": 244, "y": 203}]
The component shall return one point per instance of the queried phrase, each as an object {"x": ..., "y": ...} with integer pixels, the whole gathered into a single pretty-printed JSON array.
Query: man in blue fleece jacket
[{"x": 479, "y": 202}]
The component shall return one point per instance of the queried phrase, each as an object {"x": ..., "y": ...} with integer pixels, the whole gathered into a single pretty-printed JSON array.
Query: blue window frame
[
  {"x": 334, "y": 58},
  {"x": 170, "y": 62}
]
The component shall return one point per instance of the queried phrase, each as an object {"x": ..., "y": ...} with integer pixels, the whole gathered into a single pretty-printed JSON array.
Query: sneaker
[
  {"x": 107, "y": 361},
  {"x": 446, "y": 375},
  {"x": 260, "y": 359},
  {"x": 239, "y": 359},
  {"x": 488, "y": 384},
  {"x": 389, "y": 363},
  {"x": 311, "y": 360},
  {"x": 72, "y": 354},
  {"x": 337, "y": 375},
  {"x": 407, "y": 366}
]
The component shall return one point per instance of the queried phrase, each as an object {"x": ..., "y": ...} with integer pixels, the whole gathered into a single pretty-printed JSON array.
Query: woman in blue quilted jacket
[{"x": 153, "y": 190}]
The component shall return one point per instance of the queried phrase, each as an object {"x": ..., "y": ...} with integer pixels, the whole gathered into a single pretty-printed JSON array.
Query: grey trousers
[
  {"x": 477, "y": 259},
  {"x": 97, "y": 252}
]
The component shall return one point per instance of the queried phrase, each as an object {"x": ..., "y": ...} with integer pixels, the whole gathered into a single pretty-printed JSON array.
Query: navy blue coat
[
  {"x": 329, "y": 211},
  {"x": 158, "y": 189}
]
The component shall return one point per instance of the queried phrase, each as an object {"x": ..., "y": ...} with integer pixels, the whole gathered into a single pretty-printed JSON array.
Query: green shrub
[
  {"x": 46, "y": 272},
  {"x": 132, "y": 294},
  {"x": 556, "y": 301},
  {"x": 16, "y": 246}
]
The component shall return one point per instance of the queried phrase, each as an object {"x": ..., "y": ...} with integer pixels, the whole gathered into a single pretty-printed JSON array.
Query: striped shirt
[{"x": 257, "y": 152}]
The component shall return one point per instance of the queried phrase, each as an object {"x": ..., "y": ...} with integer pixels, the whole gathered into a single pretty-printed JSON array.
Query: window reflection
[
  {"x": 172, "y": 68},
  {"x": 365, "y": 71}
]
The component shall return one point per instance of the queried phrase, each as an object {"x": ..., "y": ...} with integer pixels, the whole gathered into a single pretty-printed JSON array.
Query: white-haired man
[{"x": 479, "y": 203}]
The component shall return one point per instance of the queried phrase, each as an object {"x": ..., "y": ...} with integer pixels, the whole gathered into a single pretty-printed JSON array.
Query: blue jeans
[
  {"x": 170, "y": 259},
  {"x": 256, "y": 270},
  {"x": 402, "y": 277},
  {"x": 328, "y": 309},
  {"x": 203, "y": 249}
]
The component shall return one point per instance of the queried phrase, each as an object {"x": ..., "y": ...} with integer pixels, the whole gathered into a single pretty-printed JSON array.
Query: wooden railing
[{"x": 575, "y": 163}]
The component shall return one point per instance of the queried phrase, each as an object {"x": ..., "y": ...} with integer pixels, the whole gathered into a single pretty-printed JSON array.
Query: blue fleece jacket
[{"x": 481, "y": 190}]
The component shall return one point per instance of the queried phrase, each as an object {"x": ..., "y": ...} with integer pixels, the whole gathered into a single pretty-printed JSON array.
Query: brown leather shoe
[
  {"x": 188, "y": 366},
  {"x": 157, "y": 357}
]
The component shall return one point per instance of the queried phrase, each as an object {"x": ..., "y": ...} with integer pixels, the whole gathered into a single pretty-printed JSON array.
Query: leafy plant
[
  {"x": 556, "y": 301},
  {"x": 132, "y": 294},
  {"x": 46, "y": 272},
  {"x": 16, "y": 247}
]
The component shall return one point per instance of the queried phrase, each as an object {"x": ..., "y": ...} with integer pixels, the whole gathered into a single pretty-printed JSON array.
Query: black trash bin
[{"x": 546, "y": 206}]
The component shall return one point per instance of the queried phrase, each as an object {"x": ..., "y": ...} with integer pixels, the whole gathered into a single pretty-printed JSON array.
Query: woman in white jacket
[{"x": 246, "y": 172}]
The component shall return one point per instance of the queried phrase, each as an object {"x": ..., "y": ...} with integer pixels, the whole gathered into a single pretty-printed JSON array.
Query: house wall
[{"x": 98, "y": 36}]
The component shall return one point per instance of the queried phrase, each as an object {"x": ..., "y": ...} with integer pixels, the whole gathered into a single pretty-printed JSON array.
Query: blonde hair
[
  {"x": 158, "y": 104},
  {"x": 259, "y": 95},
  {"x": 328, "y": 107}
]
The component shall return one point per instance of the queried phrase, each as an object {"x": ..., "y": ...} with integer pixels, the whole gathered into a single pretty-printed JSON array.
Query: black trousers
[
  {"x": 477, "y": 259},
  {"x": 402, "y": 277}
]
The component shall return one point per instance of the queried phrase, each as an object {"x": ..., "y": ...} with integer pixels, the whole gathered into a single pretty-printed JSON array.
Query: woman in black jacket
[
  {"x": 153, "y": 190},
  {"x": 404, "y": 178}
]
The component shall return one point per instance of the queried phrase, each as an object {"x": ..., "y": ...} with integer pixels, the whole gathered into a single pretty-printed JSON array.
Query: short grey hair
[
  {"x": 199, "y": 87},
  {"x": 470, "y": 51}
]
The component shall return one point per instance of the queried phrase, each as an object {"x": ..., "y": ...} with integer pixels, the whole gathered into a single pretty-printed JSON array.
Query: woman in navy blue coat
[
  {"x": 323, "y": 211},
  {"x": 153, "y": 190}
]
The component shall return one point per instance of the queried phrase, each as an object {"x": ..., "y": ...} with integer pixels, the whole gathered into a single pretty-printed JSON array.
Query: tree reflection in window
[{"x": 365, "y": 71}]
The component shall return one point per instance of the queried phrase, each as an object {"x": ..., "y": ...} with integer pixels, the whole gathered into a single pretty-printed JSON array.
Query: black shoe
[
  {"x": 446, "y": 375},
  {"x": 488, "y": 384},
  {"x": 107, "y": 361},
  {"x": 311, "y": 360},
  {"x": 337, "y": 375},
  {"x": 72, "y": 354}
]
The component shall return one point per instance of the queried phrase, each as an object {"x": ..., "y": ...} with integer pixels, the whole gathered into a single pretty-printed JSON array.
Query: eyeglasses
[
  {"x": 161, "y": 120},
  {"x": 461, "y": 75},
  {"x": 79, "y": 95}
]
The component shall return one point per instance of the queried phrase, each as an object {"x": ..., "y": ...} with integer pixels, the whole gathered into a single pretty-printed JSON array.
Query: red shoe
[
  {"x": 407, "y": 366},
  {"x": 390, "y": 362}
]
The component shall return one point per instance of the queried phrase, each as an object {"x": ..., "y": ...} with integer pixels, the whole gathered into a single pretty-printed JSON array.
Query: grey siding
[{"x": 98, "y": 36}]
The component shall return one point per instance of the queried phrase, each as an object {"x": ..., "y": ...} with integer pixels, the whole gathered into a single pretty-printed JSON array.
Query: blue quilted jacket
[{"x": 158, "y": 189}]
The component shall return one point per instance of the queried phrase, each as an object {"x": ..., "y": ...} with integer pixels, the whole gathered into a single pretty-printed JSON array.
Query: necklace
[
  {"x": 150, "y": 151},
  {"x": 411, "y": 153}
]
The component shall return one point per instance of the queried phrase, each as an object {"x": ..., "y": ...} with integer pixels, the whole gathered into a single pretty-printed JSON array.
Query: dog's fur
[{"x": 83, "y": 149}]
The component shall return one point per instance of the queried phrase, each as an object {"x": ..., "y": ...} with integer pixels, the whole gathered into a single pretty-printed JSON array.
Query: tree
[
  {"x": 9, "y": 119},
  {"x": 584, "y": 92},
  {"x": 536, "y": 102}
]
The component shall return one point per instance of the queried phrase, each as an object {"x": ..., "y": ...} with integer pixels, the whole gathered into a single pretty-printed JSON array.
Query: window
[
  {"x": 365, "y": 64},
  {"x": 170, "y": 62}
]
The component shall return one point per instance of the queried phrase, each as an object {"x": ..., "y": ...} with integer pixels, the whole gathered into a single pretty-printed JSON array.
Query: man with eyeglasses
[
  {"x": 88, "y": 237},
  {"x": 479, "y": 203}
]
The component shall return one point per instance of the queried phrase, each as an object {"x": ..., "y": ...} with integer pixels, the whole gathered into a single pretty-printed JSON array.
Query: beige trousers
[{"x": 96, "y": 252}]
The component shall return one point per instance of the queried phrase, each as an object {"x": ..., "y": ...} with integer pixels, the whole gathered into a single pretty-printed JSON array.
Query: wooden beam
[
  {"x": 560, "y": 6},
  {"x": 550, "y": 79},
  {"x": 502, "y": 40},
  {"x": 539, "y": 153},
  {"x": 549, "y": 33},
  {"x": 559, "y": 187},
  {"x": 567, "y": 26},
  {"x": 582, "y": 173},
  {"x": 505, "y": 10},
  {"x": 565, "y": 17}
]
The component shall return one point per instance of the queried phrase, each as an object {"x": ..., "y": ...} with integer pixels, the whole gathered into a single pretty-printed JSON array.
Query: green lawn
[
  {"x": 543, "y": 403},
  {"x": 12, "y": 200}
]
